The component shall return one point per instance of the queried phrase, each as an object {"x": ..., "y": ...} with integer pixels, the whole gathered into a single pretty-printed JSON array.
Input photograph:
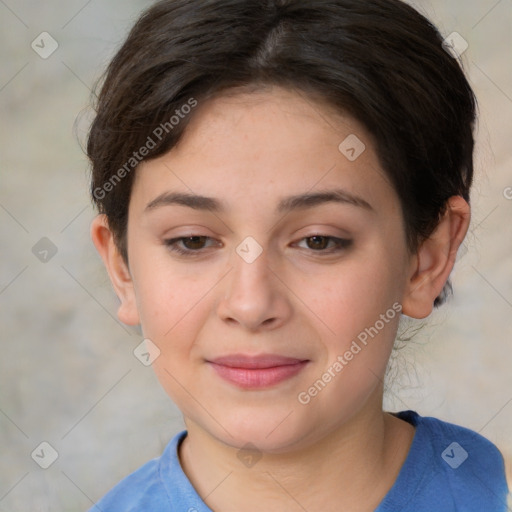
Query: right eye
[{"x": 193, "y": 244}]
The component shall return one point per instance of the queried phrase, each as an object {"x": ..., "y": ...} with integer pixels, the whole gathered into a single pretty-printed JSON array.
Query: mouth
[{"x": 255, "y": 372}]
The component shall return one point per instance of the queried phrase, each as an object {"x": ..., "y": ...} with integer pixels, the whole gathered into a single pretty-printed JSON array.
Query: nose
[{"x": 255, "y": 296}]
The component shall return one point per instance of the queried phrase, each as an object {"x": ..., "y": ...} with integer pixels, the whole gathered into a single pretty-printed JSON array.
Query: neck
[{"x": 350, "y": 468}]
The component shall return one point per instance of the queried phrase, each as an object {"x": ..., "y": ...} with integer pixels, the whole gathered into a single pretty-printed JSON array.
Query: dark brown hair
[{"x": 378, "y": 60}]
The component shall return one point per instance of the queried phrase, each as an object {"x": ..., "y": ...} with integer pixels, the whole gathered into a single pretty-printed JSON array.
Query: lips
[{"x": 260, "y": 371}]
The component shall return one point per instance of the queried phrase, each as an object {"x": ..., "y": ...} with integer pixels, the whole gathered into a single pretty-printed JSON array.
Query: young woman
[{"x": 277, "y": 183}]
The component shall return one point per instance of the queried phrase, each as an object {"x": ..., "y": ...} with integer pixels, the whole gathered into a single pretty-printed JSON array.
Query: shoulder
[
  {"x": 141, "y": 490},
  {"x": 458, "y": 445},
  {"x": 144, "y": 489},
  {"x": 450, "y": 467}
]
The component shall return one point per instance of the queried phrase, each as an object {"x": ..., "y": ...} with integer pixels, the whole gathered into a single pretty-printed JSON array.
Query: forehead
[{"x": 261, "y": 146}]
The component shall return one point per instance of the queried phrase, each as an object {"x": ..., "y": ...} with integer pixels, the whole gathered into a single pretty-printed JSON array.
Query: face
[{"x": 275, "y": 303}]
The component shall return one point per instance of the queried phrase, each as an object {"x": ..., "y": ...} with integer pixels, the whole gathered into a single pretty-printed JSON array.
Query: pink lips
[{"x": 257, "y": 371}]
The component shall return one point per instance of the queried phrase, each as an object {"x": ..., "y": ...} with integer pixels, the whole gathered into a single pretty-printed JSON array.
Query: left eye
[{"x": 320, "y": 243}]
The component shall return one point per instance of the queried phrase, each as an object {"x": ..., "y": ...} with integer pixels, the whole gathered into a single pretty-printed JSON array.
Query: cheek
[
  {"x": 172, "y": 310},
  {"x": 161, "y": 307},
  {"x": 361, "y": 307},
  {"x": 170, "y": 297},
  {"x": 352, "y": 297}
]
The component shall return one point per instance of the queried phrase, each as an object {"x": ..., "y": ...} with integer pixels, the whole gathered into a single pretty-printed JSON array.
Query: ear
[
  {"x": 432, "y": 264},
  {"x": 117, "y": 269}
]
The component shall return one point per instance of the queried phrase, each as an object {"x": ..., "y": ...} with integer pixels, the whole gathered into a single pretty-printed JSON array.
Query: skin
[{"x": 250, "y": 150}]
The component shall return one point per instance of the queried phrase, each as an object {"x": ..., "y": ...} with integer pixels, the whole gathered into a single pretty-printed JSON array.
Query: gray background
[{"x": 68, "y": 373}]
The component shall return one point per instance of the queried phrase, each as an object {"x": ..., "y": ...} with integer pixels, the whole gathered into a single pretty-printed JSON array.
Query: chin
[{"x": 265, "y": 433}]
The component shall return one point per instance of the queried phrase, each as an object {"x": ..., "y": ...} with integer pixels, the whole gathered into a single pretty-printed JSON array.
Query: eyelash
[{"x": 171, "y": 244}]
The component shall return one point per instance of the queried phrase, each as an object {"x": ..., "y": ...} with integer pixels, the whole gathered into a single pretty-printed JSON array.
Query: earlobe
[
  {"x": 117, "y": 269},
  {"x": 435, "y": 258}
]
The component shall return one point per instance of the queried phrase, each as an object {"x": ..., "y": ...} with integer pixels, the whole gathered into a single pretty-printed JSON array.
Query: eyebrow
[{"x": 285, "y": 205}]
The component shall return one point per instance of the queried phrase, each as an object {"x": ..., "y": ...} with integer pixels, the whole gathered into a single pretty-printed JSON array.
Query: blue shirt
[{"x": 448, "y": 468}]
